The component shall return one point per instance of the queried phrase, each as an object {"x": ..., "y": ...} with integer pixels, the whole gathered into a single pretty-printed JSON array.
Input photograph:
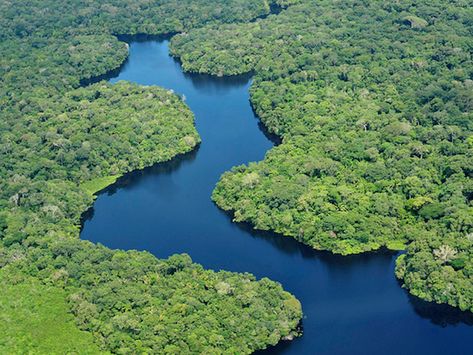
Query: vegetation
[
  {"x": 98, "y": 184},
  {"x": 59, "y": 144},
  {"x": 35, "y": 318},
  {"x": 134, "y": 303},
  {"x": 373, "y": 101}
]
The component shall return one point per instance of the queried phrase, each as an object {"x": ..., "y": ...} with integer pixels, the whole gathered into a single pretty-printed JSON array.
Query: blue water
[{"x": 352, "y": 305}]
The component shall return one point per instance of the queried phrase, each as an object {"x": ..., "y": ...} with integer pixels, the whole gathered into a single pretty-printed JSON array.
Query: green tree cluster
[
  {"x": 39, "y": 321},
  {"x": 62, "y": 141},
  {"x": 373, "y": 102}
]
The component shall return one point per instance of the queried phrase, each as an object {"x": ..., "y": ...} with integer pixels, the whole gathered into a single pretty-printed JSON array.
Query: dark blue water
[{"x": 352, "y": 305}]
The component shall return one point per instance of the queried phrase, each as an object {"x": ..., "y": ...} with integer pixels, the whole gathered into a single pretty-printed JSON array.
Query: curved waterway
[{"x": 352, "y": 305}]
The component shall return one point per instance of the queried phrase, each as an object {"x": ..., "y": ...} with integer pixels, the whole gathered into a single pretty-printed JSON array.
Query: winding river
[{"x": 352, "y": 305}]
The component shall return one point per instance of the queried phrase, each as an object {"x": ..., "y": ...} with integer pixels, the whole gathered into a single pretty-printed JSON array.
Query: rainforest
[{"x": 369, "y": 106}]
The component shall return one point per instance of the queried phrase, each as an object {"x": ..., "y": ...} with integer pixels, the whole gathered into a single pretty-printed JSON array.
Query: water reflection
[
  {"x": 215, "y": 83},
  {"x": 440, "y": 314},
  {"x": 130, "y": 180},
  {"x": 352, "y": 305}
]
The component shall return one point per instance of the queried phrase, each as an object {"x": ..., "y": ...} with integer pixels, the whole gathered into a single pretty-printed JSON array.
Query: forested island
[
  {"x": 373, "y": 104},
  {"x": 61, "y": 141}
]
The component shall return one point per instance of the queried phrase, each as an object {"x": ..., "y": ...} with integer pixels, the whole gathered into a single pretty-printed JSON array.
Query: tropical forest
[{"x": 236, "y": 176}]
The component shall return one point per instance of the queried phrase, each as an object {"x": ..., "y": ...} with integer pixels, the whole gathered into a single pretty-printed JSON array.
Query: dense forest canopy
[
  {"x": 60, "y": 142},
  {"x": 374, "y": 103}
]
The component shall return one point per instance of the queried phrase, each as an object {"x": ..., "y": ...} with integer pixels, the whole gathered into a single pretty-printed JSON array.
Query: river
[{"x": 352, "y": 305}]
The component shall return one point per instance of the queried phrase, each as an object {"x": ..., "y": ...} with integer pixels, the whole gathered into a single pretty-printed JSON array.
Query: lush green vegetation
[
  {"x": 35, "y": 318},
  {"x": 374, "y": 103},
  {"x": 59, "y": 144},
  {"x": 21, "y": 19},
  {"x": 134, "y": 303},
  {"x": 61, "y": 151}
]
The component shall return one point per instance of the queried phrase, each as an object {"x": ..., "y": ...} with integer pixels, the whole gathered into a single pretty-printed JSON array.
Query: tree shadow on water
[
  {"x": 135, "y": 177},
  {"x": 291, "y": 246},
  {"x": 440, "y": 314}
]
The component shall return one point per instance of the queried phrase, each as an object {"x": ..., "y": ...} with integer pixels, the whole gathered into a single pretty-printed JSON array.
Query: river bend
[{"x": 352, "y": 305}]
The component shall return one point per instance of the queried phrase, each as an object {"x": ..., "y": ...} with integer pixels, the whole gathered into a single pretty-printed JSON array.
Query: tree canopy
[
  {"x": 61, "y": 141},
  {"x": 373, "y": 101}
]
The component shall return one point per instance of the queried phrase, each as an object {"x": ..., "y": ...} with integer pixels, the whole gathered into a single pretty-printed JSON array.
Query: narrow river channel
[{"x": 352, "y": 305}]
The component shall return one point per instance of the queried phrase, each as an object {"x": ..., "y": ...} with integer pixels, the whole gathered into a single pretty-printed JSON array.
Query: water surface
[{"x": 352, "y": 305}]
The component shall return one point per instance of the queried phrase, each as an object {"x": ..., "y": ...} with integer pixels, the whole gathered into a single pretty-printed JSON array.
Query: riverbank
[{"x": 167, "y": 210}]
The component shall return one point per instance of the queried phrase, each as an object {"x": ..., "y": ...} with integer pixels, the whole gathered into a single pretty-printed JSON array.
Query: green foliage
[
  {"x": 133, "y": 302},
  {"x": 59, "y": 144},
  {"x": 373, "y": 101},
  {"x": 95, "y": 185},
  {"x": 39, "y": 17},
  {"x": 439, "y": 269},
  {"x": 35, "y": 319}
]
